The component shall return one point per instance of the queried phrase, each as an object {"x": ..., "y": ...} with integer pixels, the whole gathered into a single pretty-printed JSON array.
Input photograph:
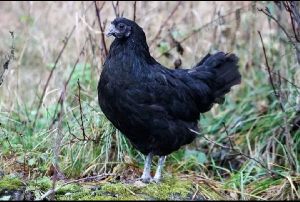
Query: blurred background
[{"x": 49, "y": 113}]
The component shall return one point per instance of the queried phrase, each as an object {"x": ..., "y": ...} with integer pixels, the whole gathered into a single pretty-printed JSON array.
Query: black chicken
[{"x": 158, "y": 108}]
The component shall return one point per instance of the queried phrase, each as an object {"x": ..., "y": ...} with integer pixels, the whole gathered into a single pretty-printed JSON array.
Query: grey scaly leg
[
  {"x": 146, "y": 177},
  {"x": 161, "y": 162}
]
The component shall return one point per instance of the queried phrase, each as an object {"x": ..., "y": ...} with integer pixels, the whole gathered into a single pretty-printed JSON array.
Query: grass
[{"x": 254, "y": 121}]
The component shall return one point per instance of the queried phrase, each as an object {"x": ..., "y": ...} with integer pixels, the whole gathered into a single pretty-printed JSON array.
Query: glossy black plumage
[{"x": 153, "y": 106}]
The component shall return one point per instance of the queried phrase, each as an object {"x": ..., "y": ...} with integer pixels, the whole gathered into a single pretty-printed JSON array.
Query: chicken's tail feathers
[{"x": 225, "y": 70}]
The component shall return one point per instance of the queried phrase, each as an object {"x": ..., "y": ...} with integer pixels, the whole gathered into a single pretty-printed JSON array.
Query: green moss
[
  {"x": 69, "y": 188},
  {"x": 168, "y": 189},
  {"x": 44, "y": 183},
  {"x": 97, "y": 198},
  {"x": 107, "y": 192},
  {"x": 108, "y": 197},
  {"x": 8, "y": 183},
  {"x": 121, "y": 191},
  {"x": 117, "y": 188}
]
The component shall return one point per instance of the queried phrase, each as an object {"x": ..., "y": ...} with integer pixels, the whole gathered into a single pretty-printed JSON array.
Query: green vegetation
[{"x": 10, "y": 183}]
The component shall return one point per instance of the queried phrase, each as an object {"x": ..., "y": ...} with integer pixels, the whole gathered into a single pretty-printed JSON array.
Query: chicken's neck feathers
[{"x": 133, "y": 47}]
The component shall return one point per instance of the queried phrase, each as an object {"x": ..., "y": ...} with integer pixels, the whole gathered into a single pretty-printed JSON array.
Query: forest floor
[{"x": 123, "y": 184}]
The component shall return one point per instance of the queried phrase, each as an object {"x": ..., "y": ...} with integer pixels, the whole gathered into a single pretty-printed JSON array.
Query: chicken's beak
[{"x": 111, "y": 30}]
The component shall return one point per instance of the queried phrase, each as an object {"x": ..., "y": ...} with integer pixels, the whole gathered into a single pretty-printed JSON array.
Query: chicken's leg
[
  {"x": 161, "y": 162},
  {"x": 146, "y": 177}
]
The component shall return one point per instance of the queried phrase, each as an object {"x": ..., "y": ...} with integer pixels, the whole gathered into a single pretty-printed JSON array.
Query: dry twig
[
  {"x": 57, "y": 146},
  {"x": 289, "y": 140},
  {"x": 11, "y": 56},
  {"x": 103, "y": 48},
  {"x": 64, "y": 91},
  {"x": 272, "y": 173},
  {"x": 81, "y": 113},
  {"x": 134, "y": 10},
  {"x": 65, "y": 42},
  {"x": 164, "y": 23},
  {"x": 203, "y": 27},
  {"x": 116, "y": 8}
]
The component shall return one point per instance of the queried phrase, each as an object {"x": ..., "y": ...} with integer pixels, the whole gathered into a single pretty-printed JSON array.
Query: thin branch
[
  {"x": 211, "y": 141},
  {"x": 282, "y": 28},
  {"x": 165, "y": 23},
  {"x": 289, "y": 140},
  {"x": 235, "y": 150},
  {"x": 75, "y": 137},
  {"x": 292, "y": 9},
  {"x": 11, "y": 56},
  {"x": 116, "y": 8},
  {"x": 57, "y": 146},
  {"x": 285, "y": 79},
  {"x": 134, "y": 10},
  {"x": 81, "y": 113},
  {"x": 65, "y": 42},
  {"x": 103, "y": 43},
  {"x": 245, "y": 155},
  {"x": 68, "y": 81},
  {"x": 270, "y": 76},
  {"x": 202, "y": 27}
]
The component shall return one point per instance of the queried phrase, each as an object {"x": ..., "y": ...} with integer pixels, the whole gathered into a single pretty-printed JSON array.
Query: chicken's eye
[{"x": 121, "y": 26}]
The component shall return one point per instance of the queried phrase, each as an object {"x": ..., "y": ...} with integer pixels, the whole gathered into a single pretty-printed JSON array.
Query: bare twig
[
  {"x": 64, "y": 91},
  {"x": 280, "y": 77},
  {"x": 81, "y": 113},
  {"x": 246, "y": 155},
  {"x": 65, "y": 42},
  {"x": 57, "y": 147},
  {"x": 203, "y": 27},
  {"x": 269, "y": 73},
  {"x": 134, "y": 10},
  {"x": 266, "y": 12},
  {"x": 11, "y": 56},
  {"x": 292, "y": 9},
  {"x": 272, "y": 173},
  {"x": 211, "y": 141},
  {"x": 270, "y": 76},
  {"x": 116, "y": 8},
  {"x": 289, "y": 140},
  {"x": 293, "y": 42},
  {"x": 75, "y": 137},
  {"x": 165, "y": 23},
  {"x": 103, "y": 43}
]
